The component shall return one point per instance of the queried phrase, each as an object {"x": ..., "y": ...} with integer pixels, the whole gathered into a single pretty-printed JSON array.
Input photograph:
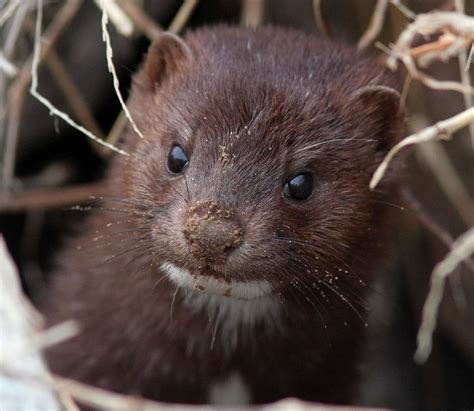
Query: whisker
[
  {"x": 311, "y": 301},
  {"x": 170, "y": 185},
  {"x": 122, "y": 211},
  {"x": 344, "y": 299},
  {"x": 187, "y": 187},
  {"x": 320, "y": 143},
  {"x": 113, "y": 257},
  {"x": 214, "y": 333},
  {"x": 159, "y": 281},
  {"x": 321, "y": 256},
  {"x": 172, "y": 303},
  {"x": 123, "y": 200},
  {"x": 396, "y": 206}
]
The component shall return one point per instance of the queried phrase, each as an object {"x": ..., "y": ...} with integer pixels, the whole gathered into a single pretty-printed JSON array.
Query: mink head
[{"x": 257, "y": 154}]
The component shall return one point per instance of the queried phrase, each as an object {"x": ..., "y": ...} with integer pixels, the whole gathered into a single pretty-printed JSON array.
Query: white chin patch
[
  {"x": 241, "y": 290},
  {"x": 234, "y": 308}
]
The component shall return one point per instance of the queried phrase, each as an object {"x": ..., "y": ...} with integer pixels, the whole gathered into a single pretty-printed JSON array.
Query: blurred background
[{"x": 46, "y": 166}]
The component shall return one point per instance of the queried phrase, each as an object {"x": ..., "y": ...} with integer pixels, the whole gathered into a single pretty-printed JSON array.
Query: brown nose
[{"x": 212, "y": 231}]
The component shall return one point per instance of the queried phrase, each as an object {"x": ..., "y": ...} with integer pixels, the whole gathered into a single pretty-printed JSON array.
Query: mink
[{"x": 230, "y": 258}]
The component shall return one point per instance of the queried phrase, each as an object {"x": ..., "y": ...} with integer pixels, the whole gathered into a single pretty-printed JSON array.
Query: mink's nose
[{"x": 212, "y": 232}]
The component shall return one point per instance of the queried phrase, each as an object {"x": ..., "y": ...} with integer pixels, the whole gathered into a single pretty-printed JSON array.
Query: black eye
[
  {"x": 177, "y": 160},
  {"x": 299, "y": 187}
]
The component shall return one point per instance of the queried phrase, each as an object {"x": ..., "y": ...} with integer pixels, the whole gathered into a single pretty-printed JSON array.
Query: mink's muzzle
[{"x": 212, "y": 232}]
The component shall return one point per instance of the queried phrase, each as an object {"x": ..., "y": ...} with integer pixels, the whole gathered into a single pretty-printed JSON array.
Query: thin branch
[
  {"x": 433, "y": 83},
  {"x": 441, "y": 130},
  {"x": 375, "y": 25},
  {"x": 469, "y": 59},
  {"x": 67, "y": 401},
  {"x": 457, "y": 33},
  {"x": 443, "y": 43},
  {"x": 15, "y": 28},
  {"x": 10, "y": 143},
  {"x": 140, "y": 19},
  {"x": 57, "y": 334},
  {"x": 403, "y": 9},
  {"x": 115, "y": 133},
  {"x": 405, "y": 90},
  {"x": 119, "y": 17},
  {"x": 8, "y": 11},
  {"x": 73, "y": 95},
  {"x": 465, "y": 77},
  {"x": 52, "y": 198},
  {"x": 449, "y": 180},
  {"x": 18, "y": 89},
  {"x": 7, "y": 66},
  {"x": 51, "y": 336},
  {"x": 459, "y": 6},
  {"x": 430, "y": 223},
  {"x": 111, "y": 67},
  {"x": 34, "y": 86},
  {"x": 463, "y": 247},
  {"x": 321, "y": 24},
  {"x": 182, "y": 16},
  {"x": 252, "y": 12},
  {"x": 427, "y": 220},
  {"x": 151, "y": 30}
]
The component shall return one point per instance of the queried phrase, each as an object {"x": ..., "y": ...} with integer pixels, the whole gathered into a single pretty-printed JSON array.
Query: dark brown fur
[{"x": 249, "y": 104}]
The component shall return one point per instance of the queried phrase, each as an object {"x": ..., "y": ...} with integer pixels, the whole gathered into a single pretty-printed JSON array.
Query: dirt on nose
[{"x": 212, "y": 231}]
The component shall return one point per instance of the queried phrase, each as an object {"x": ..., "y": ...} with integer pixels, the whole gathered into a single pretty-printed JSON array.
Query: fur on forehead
[{"x": 258, "y": 84}]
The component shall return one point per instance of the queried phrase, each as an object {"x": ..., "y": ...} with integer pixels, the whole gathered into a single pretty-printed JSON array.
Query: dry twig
[
  {"x": 403, "y": 9},
  {"x": 182, "y": 16},
  {"x": 111, "y": 67},
  {"x": 34, "y": 86},
  {"x": 430, "y": 223},
  {"x": 376, "y": 22},
  {"x": 8, "y": 10},
  {"x": 119, "y": 18},
  {"x": 457, "y": 33},
  {"x": 115, "y": 133},
  {"x": 73, "y": 95},
  {"x": 15, "y": 28},
  {"x": 17, "y": 91},
  {"x": 7, "y": 66},
  {"x": 375, "y": 25},
  {"x": 469, "y": 59},
  {"x": 321, "y": 24},
  {"x": 463, "y": 65},
  {"x": 449, "y": 180},
  {"x": 51, "y": 336},
  {"x": 253, "y": 12},
  {"x": 151, "y": 30},
  {"x": 140, "y": 19},
  {"x": 54, "y": 198},
  {"x": 441, "y": 130},
  {"x": 462, "y": 248}
]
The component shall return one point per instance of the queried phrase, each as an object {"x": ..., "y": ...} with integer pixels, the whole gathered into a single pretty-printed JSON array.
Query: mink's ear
[
  {"x": 381, "y": 110},
  {"x": 165, "y": 55}
]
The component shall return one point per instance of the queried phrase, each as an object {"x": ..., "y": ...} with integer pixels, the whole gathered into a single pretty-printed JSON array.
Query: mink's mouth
[{"x": 208, "y": 282}]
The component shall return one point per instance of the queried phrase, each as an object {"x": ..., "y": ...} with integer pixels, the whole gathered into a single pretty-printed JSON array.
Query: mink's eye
[
  {"x": 299, "y": 187},
  {"x": 177, "y": 160}
]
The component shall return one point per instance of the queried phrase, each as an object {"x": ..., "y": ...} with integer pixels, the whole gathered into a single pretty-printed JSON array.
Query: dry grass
[{"x": 447, "y": 34}]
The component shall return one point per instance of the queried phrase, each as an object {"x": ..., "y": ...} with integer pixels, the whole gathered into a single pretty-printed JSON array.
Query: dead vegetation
[{"x": 424, "y": 40}]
